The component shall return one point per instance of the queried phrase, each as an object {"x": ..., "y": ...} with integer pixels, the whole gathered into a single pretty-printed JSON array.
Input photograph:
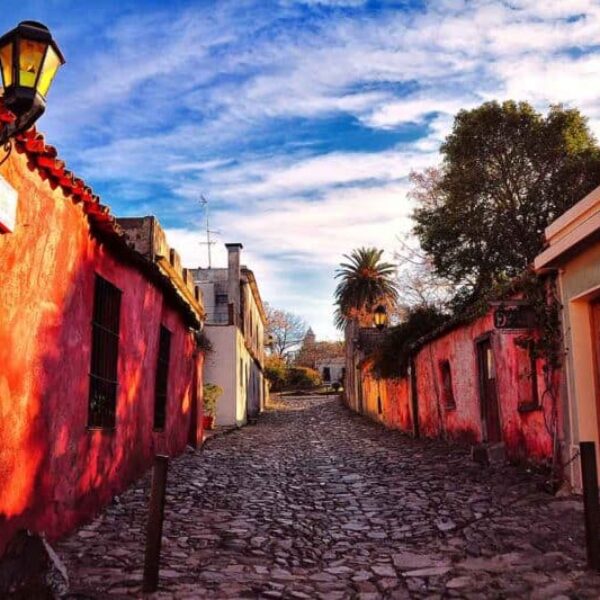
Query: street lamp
[
  {"x": 380, "y": 317},
  {"x": 29, "y": 60}
]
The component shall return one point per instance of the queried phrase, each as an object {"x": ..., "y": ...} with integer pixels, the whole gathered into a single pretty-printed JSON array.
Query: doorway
[{"x": 490, "y": 414}]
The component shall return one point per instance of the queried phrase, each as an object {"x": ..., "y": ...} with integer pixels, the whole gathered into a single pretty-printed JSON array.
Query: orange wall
[{"x": 54, "y": 473}]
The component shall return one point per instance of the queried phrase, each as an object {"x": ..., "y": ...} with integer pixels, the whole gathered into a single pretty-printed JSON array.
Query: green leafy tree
[
  {"x": 365, "y": 281},
  {"x": 507, "y": 172}
]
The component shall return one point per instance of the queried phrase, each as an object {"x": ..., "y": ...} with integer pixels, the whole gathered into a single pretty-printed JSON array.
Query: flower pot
[{"x": 208, "y": 422}]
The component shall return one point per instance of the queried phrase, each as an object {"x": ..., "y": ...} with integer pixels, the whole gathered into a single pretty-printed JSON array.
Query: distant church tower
[{"x": 310, "y": 338}]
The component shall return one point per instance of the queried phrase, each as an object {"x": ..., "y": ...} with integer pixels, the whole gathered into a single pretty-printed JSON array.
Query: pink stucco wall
[
  {"x": 54, "y": 472},
  {"x": 527, "y": 434}
]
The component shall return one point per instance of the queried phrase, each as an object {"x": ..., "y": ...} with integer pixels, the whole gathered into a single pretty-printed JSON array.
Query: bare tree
[
  {"x": 285, "y": 329},
  {"x": 418, "y": 283}
]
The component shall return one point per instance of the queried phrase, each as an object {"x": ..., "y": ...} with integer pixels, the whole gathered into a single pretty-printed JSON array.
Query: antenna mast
[{"x": 209, "y": 242}]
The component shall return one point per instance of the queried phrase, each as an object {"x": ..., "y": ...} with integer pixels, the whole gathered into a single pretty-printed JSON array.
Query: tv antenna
[{"x": 209, "y": 241}]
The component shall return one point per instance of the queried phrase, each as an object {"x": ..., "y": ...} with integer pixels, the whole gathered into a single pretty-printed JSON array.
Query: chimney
[{"x": 234, "y": 275}]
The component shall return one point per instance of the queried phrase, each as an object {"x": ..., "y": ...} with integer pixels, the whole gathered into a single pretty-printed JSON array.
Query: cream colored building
[
  {"x": 573, "y": 253},
  {"x": 235, "y": 325}
]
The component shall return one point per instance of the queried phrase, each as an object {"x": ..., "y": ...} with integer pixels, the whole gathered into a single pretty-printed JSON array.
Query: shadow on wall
[
  {"x": 55, "y": 473},
  {"x": 41, "y": 399}
]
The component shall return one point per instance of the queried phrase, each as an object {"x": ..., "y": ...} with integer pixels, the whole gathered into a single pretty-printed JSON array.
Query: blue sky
[{"x": 300, "y": 120}]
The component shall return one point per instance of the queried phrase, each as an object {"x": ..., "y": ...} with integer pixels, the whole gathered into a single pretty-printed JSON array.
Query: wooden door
[{"x": 487, "y": 391}]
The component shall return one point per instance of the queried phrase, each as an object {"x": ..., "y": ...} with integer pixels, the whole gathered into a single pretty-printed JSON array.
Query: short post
[
  {"x": 155, "y": 523},
  {"x": 591, "y": 505}
]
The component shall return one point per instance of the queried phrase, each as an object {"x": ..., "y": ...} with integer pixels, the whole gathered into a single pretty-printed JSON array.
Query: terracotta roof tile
[{"x": 44, "y": 158}]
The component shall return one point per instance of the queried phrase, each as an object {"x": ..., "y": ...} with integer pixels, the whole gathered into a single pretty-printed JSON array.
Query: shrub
[
  {"x": 203, "y": 343},
  {"x": 393, "y": 356},
  {"x": 275, "y": 372},
  {"x": 301, "y": 377},
  {"x": 212, "y": 392}
]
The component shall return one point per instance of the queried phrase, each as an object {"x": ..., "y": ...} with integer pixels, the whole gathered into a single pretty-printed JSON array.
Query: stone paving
[{"x": 316, "y": 502}]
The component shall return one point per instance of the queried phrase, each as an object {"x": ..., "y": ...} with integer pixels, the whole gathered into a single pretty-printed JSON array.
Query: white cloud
[
  {"x": 333, "y": 3},
  {"x": 191, "y": 101},
  {"x": 561, "y": 9},
  {"x": 544, "y": 80},
  {"x": 414, "y": 109},
  {"x": 292, "y": 246},
  {"x": 203, "y": 165},
  {"x": 292, "y": 177}
]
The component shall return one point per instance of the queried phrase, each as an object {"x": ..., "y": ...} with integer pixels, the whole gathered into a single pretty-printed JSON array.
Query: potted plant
[{"x": 211, "y": 392}]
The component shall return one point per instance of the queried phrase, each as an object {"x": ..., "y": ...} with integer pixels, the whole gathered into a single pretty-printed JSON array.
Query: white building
[
  {"x": 235, "y": 325},
  {"x": 331, "y": 370}
]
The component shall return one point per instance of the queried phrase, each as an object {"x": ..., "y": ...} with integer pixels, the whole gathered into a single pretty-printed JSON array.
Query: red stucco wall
[
  {"x": 527, "y": 435},
  {"x": 54, "y": 473},
  {"x": 397, "y": 413}
]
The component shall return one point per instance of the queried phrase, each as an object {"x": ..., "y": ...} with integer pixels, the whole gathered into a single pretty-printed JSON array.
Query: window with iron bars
[
  {"x": 102, "y": 399},
  {"x": 162, "y": 377}
]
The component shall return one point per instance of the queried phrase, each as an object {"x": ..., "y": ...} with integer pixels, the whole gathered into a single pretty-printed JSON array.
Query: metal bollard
[
  {"x": 591, "y": 505},
  {"x": 155, "y": 523}
]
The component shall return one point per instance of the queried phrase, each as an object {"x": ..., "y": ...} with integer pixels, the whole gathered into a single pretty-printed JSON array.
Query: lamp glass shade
[
  {"x": 31, "y": 55},
  {"x": 6, "y": 63},
  {"x": 380, "y": 317},
  {"x": 51, "y": 63}
]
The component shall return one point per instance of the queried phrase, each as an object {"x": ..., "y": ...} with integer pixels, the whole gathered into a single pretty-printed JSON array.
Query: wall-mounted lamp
[
  {"x": 380, "y": 317},
  {"x": 29, "y": 60}
]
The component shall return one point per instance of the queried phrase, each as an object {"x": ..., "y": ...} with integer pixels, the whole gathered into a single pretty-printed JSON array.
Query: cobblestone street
[{"x": 316, "y": 502}]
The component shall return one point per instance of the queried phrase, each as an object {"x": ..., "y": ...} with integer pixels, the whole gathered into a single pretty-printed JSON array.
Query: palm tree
[{"x": 365, "y": 281}]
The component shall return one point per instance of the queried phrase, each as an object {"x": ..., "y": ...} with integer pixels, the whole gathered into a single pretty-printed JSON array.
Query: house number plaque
[{"x": 514, "y": 317}]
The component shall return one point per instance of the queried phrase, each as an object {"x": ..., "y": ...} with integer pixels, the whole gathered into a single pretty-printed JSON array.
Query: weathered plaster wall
[
  {"x": 54, "y": 472},
  {"x": 220, "y": 369},
  {"x": 579, "y": 286},
  {"x": 232, "y": 367},
  {"x": 242, "y": 377},
  {"x": 352, "y": 376},
  {"x": 396, "y": 404},
  {"x": 526, "y": 434},
  {"x": 253, "y": 327},
  {"x": 394, "y": 409},
  {"x": 256, "y": 399},
  {"x": 458, "y": 347},
  {"x": 251, "y": 398}
]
